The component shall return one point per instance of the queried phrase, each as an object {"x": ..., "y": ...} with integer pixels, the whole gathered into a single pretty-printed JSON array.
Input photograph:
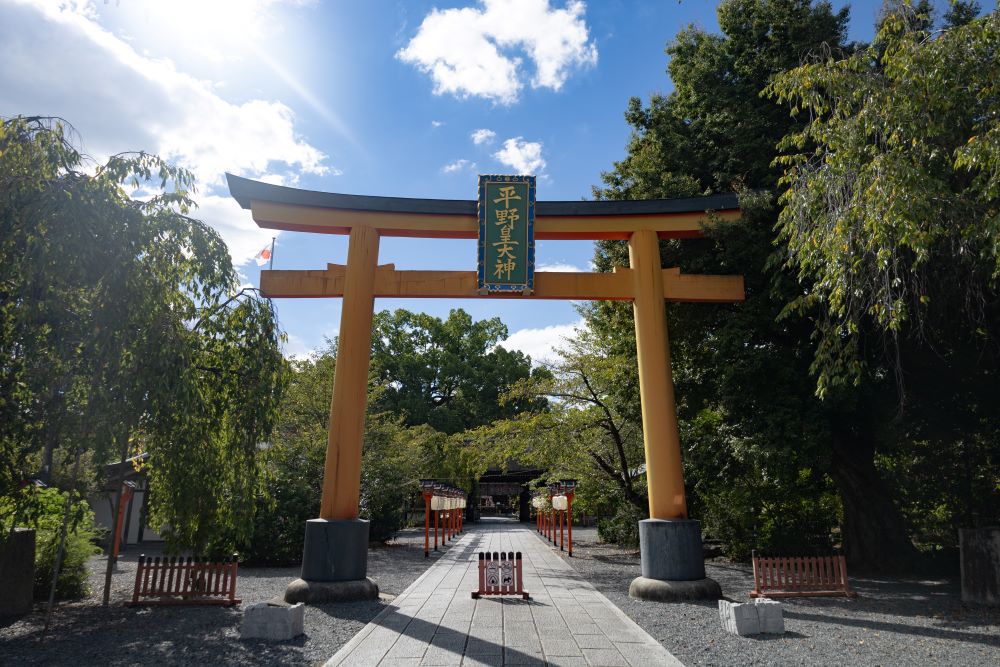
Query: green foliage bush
[
  {"x": 622, "y": 528},
  {"x": 44, "y": 510},
  {"x": 292, "y": 466},
  {"x": 290, "y": 497}
]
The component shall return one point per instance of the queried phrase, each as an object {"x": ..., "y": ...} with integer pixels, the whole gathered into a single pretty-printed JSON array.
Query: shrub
[
  {"x": 46, "y": 510},
  {"x": 622, "y": 528}
]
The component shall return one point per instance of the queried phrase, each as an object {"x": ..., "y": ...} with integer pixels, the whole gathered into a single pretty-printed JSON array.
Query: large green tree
[
  {"x": 761, "y": 451},
  {"x": 891, "y": 219},
  {"x": 449, "y": 374},
  {"x": 122, "y": 328},
  {"x": 760, "y": 446}
]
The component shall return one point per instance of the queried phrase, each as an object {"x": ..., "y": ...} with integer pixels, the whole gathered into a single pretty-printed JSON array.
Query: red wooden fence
[
  {"x": 185, "y": 581},
  {"x": 800, "y": 577},
  {"x": 501, "y": 574}
]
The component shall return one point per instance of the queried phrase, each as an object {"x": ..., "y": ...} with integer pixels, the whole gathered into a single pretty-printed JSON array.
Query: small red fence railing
[
  {"x": 501, "y": 574},
  {"x": 185, "y": 581},
  {"x": 800, "y": 577}
]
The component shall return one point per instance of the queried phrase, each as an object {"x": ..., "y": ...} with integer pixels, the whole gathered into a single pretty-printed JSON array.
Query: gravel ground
[
  {"x": 891, "y": 622},
  {"x": 84, "y": 633}
]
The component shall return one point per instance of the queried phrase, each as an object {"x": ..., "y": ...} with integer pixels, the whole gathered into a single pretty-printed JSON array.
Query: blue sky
[{"x": 409, "y": 99}]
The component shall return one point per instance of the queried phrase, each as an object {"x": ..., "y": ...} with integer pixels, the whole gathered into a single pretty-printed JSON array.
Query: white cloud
[
  {"x": 525, "y": 157},
  {"x": 61, "y": 62},
  {"x": 437, "y": 123},
  {"x": 296, "y": 348},
  {"x": 559, "y": 267},
  {"x": 470, "y": 52},
  {"x": 458, "y": 165},
  {"x": 244, "y": 238},
  {"x": 483, "y": 136},
  {"x": 541, "y": 344}
]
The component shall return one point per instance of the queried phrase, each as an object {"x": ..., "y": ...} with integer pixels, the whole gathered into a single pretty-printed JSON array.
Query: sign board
[{"x": 506, "y": 234}]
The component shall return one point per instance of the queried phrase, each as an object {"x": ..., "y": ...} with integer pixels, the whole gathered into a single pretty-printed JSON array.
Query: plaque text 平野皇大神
[{"x": 506, "y": 234}]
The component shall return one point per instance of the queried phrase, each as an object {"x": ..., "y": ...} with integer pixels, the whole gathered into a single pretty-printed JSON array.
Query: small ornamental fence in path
[
  {"x": 164, "y": 581},
  {"x": 500, "y": 574},
  {"x": 800, "y": 577}
]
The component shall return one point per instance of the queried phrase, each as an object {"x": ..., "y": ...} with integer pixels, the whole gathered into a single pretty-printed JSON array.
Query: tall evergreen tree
[{"x": 761, "y": 449}]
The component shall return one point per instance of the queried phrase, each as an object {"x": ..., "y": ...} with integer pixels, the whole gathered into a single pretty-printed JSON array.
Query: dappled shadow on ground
[
  {"x": 904, "y": 628},
  {"x": 893, "y": 621},
  {"x": 84, "y": 633}
]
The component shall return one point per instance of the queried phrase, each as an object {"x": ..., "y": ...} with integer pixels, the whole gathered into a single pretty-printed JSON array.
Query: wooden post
[
  {"x": 437, "y": 514},
  {"x": 661, "y": 439},
  {"x": 569, "y": 520},
  {"x": 427, "y": 524},
  {"x": 342, "y": 472},
  {"x": 562, "y": 530},
  {"x": 126, "y": 497}
]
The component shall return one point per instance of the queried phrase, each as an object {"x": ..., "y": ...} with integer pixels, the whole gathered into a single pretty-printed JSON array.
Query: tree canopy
[
  {"x": 123, "y": 329},
  {"x": 763, "y": 456},
  {"x": 891, "y": 214},
  {"x": 449, "y": 374}
]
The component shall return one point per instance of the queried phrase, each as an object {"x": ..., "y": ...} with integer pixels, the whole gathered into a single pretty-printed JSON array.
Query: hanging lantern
[{"x": 559, "y": 503}]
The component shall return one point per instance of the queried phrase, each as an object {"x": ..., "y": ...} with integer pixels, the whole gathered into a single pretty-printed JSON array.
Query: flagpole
[{"x": 271, "y": 265}]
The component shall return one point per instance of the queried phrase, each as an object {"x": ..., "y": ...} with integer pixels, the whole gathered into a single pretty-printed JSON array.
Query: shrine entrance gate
[{"x": 336, "y": 545}]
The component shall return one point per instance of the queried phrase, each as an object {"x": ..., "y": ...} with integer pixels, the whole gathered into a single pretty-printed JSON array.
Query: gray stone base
[
  {"x": 659, "y": 590},
  {"x": 980, "y": 563},
  {"x": 17, "y": 572},
  {"x": 671, "y": 549},
  {"x": 318, "y": 592},
  {"x": 335, "y": 550}
]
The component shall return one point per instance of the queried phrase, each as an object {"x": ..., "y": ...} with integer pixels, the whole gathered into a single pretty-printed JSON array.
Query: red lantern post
[{"x": 427, "y": 489}]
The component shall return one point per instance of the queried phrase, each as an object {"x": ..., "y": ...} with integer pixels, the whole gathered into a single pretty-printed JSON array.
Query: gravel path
[
  {"x": 892, "y": 622},
  {"x": 84, "y": 633}
]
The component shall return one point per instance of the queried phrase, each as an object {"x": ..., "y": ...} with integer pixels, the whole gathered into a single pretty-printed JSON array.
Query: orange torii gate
[{"x": 335, "y": 555}]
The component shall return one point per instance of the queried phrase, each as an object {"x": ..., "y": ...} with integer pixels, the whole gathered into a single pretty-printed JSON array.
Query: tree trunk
[
  {"x": 874, "y": 533},
  {"x": 61, "y": 550},
  {"x": 119, "y": 481}
]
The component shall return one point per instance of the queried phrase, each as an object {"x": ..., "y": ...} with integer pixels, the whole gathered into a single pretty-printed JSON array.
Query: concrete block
[
  {"x": 275, "y": 622},
  {"x": 980, "y": 564},
  {"x": 17, "y": 572},
  {"x": 752, "y": 618},
  {"x": 770, "y": 617}
]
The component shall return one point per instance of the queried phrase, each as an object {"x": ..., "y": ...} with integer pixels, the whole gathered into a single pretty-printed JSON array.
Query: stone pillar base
[
  {"x": 671, "y": 549},
  {"x": 334, "y": 563},
  {"x": 335, "y": 550},
  {"x": 673, "y": 567},
  {"x": 319, "y": 592},
  {"x": 658, "y": 590}
]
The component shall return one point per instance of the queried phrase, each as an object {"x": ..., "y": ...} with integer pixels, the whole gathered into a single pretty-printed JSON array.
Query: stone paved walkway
[{"x": 436, "y": 622}]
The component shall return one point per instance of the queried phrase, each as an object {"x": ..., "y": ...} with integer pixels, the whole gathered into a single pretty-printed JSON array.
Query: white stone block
[
  {"x": 262, "y": 620},
  {"x": 761, "y": 616},
  {"x": 770, "y": 617},
  {"x": 739, "y": 619}
]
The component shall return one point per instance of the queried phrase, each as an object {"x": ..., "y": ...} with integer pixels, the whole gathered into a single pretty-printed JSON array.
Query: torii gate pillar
[{"x": 673, "y": 565}]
